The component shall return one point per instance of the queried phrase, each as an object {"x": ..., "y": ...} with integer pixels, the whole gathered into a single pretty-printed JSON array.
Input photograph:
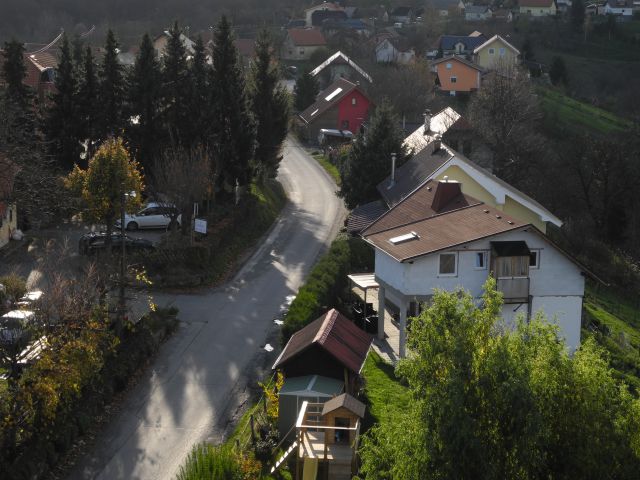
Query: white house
[
  {"x": 324, "y": 6},
  {"x": 622, "y": 8},
  {"x": 390, "y": 51},
  {"x": 160, "y": 43},
  {"x": 477, "y": 12},
  {"x": 439, "y": 237}
]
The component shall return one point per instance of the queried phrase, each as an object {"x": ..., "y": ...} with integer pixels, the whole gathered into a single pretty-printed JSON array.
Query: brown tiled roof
[
  {"x": 321, "y": 105},
  {"x": 336, "y": 334},
  {"x": 344, "y": 401},
  {"x": 415, "y": 207},
  {"x": 455, "y": 58},
  {"x": 536, "y": 3},
  {"x": 447, "y": 230},
  {"x": 364, "y": 215},
  {"x": 246, "y": 47},
  {"x": 43, "y": 60},
  {"x": 307, "y": 37}
]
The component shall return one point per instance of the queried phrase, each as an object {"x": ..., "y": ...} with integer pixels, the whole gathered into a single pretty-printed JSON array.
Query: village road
[{"x": 187, "y": 394}]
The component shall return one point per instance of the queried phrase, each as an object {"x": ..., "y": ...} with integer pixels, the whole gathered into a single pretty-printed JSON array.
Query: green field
[{"x": 574, "y": 114}]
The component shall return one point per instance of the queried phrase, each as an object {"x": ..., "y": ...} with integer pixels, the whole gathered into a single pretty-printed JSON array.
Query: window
[
  {"x": 502, "y": 51},
  {"x": 448, "y": 65},
  {"x": 302, "y": 51},
  {"x": 448, "y": 264},
  {"x": 534, "y": 259},
  {"x": 492, "y": 51},
  {"x": 480, "y": 262},
  {"x": 507, "y": 267},
  {"x": 354, "y": 101},
  {"x": 454, "y": 79}
]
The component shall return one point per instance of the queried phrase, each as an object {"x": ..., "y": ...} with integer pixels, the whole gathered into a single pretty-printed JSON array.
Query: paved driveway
[{"x": 186, "y": 396}]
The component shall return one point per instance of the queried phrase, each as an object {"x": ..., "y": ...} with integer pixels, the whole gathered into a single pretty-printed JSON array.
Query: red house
[{"x": 342, "y": 106}]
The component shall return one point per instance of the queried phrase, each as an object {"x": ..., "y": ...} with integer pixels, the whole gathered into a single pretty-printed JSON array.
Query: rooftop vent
[
  {"x": 407, "y": 237},
  {"x": 437, "y": 143}
]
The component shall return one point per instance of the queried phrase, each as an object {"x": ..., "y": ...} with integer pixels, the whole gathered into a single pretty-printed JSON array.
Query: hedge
[
  {"x": 53, "y": 412},
  {"x": 327, "y": 283}
]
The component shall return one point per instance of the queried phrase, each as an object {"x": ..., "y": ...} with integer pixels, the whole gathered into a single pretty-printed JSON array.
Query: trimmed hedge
[{"x": 327, "y": 283}]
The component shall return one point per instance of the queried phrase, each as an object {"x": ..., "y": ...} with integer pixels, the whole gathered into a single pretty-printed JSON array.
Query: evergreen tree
[
  {"x": 78, "y": 53},
  {"x": 13, "y": 73},
  {"x": 233, "y": 129},
  {"x": 305, "y": 91},
  {"x": 199, "y": 125},
  {"x": 62, "y": 124},
  {"x": 577, "y": 14},
  {"x": 144, "y": 97},
  {"x": 369, "y": 161},
  {"x": 111, "y": 91},
  {"x": 558, "y": 71},
  {"x": 270, "y": 106},
  {"x": 176, "y": 86},
  {"x": 88, "y": 107}
]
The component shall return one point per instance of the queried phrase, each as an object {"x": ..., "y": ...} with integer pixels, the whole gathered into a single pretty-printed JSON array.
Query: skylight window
[
  {"x": 404, "y": 238},
  {"x": 314, "y": 112},
  {"x": 332, "y": 95}
]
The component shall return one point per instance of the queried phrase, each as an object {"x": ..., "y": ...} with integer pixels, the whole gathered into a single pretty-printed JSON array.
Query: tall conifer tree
[
  {"x": 88, "y": 107},
  {"x": 234, "y": 132},
  {"x": 14, "y": 71},
  {"x": 176, "y": 86},
  {"x": 270, "y": 106},
  {"x": 200, "y": 128},
  {"x": 144, "y": 94},
  {"x": 62, "y": 124},
  {"x": 111, "y": 92}
]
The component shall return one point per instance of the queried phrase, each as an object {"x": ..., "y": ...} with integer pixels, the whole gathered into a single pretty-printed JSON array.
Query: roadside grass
[
  {"x": 386, "y": 396},
  {"x": 574, "y": 114},
  {"x": 614, "y": 321},
  {"x": 329, "y": 167}
]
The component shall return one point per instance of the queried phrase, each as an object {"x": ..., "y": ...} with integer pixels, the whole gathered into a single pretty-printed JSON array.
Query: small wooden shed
[{"x": 343, "y": 411}]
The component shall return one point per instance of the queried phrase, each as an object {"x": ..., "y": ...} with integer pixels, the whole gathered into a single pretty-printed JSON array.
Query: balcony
[{"x": 514, "y": 289}]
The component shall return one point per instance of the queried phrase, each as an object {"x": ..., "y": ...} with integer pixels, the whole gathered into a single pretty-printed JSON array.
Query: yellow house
[
  {"x": 433, "y": 160},
  {"x": 496, "y": 52},
  {"x": 538, "y": 8}
]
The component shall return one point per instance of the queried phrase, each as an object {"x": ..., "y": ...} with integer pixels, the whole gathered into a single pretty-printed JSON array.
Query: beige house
[
  {"x": 538, "y": 8},
  {"x": 496, "y": 53},
  {"x": 300, "y": 43}
]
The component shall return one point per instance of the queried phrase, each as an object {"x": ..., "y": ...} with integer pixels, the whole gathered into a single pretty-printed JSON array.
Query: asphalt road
[{"x": 188, "y": 394}]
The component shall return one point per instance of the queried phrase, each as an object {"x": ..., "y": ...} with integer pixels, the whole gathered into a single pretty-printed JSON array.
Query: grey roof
[
  {"x": 412, "y": 174},
  {"x": 448, "y": 42},
  {"x": 477, "y": 9},
  {"x": 402, "y": 12},
  {"x": 364, "y": 215},
  {"x": 341, "y": 57}
]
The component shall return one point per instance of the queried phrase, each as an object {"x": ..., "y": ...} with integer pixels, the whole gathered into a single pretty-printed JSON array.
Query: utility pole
[{"x": 122, "y": 302}]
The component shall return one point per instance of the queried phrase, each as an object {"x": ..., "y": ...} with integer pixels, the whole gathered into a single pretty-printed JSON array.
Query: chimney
[
  {"x": 437, "y": 143},
  {"x": 446, "y": 190},
  {"x": 392, "y": 182},
  {"x": 427, "y": 121}
]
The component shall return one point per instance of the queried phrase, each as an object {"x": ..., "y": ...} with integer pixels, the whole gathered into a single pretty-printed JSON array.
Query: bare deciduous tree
[{"x": 182, "y": 178}]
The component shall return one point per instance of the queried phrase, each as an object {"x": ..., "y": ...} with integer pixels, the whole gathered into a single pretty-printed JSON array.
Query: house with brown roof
[
  {"x": 342, "y": 106},
  {"x": 394, "y": 50},
  {"x": 537, "y": 8},
  {"x": 438, "y": 237},
  {"x": 300, "y": 43},
  {"x": 455, "y": 74}
]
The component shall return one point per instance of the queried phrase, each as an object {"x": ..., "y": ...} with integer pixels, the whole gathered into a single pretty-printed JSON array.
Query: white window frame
[
  {"x": 537, "y": 265},
  {"x": 492, "y": 51},
  {"x": 354, "y": 102},
  {"x": 485, "y": 260},
  {"x": 455, "y": 265},
  {"x": 454, "y": 79}
]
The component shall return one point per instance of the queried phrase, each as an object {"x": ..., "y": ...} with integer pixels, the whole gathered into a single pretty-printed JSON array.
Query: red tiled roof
[
  {"x": 307, "y": 37},
  {"x": 43, "y": 60},
  {"x": 336, "y": 334},
  {"x": 246, "y": 47}
]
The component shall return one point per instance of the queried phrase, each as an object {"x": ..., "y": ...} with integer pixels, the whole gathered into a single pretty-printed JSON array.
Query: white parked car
[{"x": 154, "y": 215}]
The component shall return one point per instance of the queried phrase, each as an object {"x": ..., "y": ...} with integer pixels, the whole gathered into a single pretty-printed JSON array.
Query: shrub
[
  {"x": 327, "y": 282},
  {"x": 209, "y": 462},
  {"x": 15, "y": 286}
]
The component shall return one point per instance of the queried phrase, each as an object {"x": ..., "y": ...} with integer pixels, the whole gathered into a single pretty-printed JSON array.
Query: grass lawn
[
  {"x": 386, "y": 396},
  {"x": 615, "y": 323},
  {"x": 575, "y": 114},
  {"x": 329, "y": 167}
]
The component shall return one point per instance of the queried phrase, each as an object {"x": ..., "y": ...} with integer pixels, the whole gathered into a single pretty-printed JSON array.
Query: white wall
[{"x": 566, "y": 312}]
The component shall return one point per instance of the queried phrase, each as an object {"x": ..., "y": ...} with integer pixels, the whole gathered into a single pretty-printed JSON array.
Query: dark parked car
[{"x": 94, "y": 242}]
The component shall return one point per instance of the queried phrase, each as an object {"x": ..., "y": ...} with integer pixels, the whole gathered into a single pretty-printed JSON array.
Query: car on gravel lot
[
  {"x": 154, "y": 215},
  {"x": 95, "y": 242}
]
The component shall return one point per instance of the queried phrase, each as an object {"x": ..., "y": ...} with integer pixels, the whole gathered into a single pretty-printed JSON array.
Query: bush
[
  {"x": 326, "y": 283},
  {"x": 209, "y": 462},
  {"x": 15, "y": 286}
]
